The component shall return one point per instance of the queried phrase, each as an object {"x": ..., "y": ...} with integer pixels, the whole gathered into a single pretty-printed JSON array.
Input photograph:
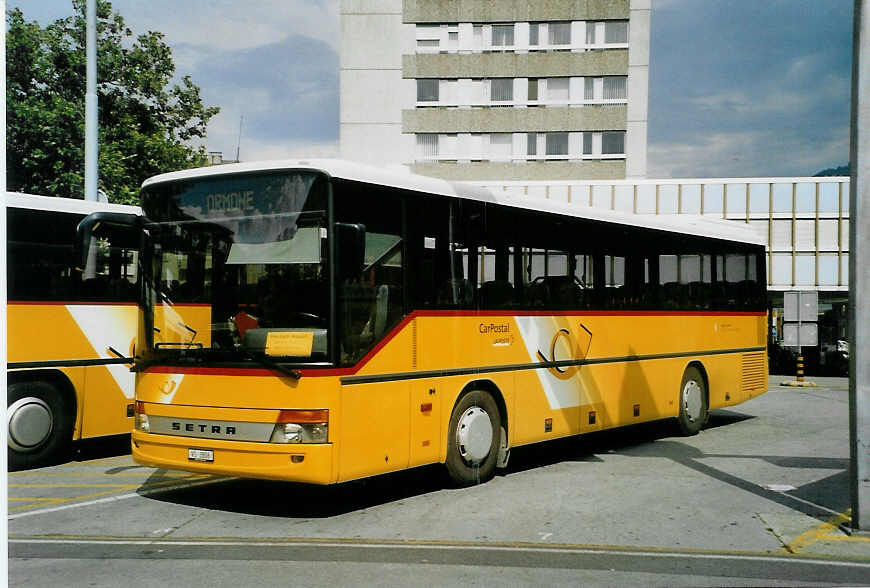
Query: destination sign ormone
[{"x": 242, "y": 201}]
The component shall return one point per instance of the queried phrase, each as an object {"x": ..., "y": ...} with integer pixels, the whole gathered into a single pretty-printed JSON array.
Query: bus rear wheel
[
  {"x": 694, "y": 406},
  {"x": 39, "y": 423},
  {"x": 473, "y": 439}
]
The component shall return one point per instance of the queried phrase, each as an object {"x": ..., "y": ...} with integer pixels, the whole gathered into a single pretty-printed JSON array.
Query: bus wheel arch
[
  {"x": 41, "y": 417},
  {"x": 694, "y": 399},
  {"x": 475, "y": 434}
]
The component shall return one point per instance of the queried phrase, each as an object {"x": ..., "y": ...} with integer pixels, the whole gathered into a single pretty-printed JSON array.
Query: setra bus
[
  {"x": 70, "y": 333},
  {"x": 322, "y": 321}
]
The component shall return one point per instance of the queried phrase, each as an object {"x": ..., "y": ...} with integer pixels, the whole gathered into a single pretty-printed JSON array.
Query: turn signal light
[
  {"x": 303, "y": 416},
  {"x": 301, "y": 426}
]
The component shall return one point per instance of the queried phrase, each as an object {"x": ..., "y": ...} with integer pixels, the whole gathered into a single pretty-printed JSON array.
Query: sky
[{"x": 737, "y": 88}]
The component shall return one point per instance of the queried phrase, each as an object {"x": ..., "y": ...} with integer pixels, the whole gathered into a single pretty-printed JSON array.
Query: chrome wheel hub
[
  {"x": 30, "y": 423},
  {"x": 692, "y": 401},
  {"x": 474, "y": 435}
]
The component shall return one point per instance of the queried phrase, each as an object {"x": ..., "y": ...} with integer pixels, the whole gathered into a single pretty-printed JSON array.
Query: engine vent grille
[
  {"x": 754, "y": 372},
  {"x": 414, "y": 344}
]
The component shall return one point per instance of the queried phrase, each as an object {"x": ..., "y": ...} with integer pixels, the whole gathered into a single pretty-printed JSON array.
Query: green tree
[{"x": 147, "y": 124}]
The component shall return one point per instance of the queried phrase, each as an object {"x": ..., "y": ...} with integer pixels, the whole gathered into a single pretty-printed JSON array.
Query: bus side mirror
[
  {"x": 350, "y": 249},
  {"x": 90, "y": 224}
]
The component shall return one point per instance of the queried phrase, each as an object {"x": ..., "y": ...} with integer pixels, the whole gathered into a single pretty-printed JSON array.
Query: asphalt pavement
[{"x": 757, "y": 498}]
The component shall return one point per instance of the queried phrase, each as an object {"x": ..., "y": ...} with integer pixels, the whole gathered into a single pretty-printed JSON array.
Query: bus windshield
[{"x": 238, "y": 268}]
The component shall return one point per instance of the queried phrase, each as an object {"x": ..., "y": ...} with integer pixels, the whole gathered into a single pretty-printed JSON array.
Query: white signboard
[
  {"x": 801, "y": 306},
  {"x": 805, "y": 336},
  {"x": 801, "y": 312}
]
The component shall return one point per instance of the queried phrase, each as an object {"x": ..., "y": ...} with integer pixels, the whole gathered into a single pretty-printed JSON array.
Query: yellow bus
[
  {"x": 323, "y": 321},
  {"x": 70, "y": 334}
]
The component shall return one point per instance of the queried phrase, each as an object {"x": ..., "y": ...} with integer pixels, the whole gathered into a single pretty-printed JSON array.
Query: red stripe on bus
[
  {"x": 352, "y": 370},
  {"x": 66, "y": 303},
  {"x": 434, "y": 313}
]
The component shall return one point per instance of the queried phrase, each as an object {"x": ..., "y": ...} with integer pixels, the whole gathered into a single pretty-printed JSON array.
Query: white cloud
[
  {"x": 286, "y": 93},
  {"x": 228, "y": 25},
  {"x": 257, "y": 150},
  {"x": 746, "y": 153}
]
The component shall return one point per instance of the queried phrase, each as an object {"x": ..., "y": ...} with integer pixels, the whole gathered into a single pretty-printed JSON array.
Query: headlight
[
  {"x": 141, "y": 421},
  {"x": 301, "y": 426}
]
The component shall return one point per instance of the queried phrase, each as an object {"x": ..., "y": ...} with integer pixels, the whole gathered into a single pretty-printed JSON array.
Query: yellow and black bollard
[{"x": 799, "y": 380}]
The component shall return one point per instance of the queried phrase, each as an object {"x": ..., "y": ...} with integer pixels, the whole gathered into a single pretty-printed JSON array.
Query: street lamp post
[
  {"x": 91, "y": 141},
  {"x": 859, "y": 277}
]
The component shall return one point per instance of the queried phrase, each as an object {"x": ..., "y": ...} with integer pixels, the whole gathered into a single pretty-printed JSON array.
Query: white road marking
[
  {"x": 453, "y": 547},
  {"x": 147, "y": 492}
]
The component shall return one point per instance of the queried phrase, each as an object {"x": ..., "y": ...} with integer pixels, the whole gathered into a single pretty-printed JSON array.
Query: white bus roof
[
  {"x": 398, "y": 177},
  {"x": 71, "y": 205}
]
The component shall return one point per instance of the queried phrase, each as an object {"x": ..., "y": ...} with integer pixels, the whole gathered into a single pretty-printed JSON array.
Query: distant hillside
[{"x": 843, "y": 170}]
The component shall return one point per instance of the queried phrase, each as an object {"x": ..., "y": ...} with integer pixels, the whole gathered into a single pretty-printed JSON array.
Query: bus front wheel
[
  {"x": 39, "y": 424},
  {"x": 694, "y": 406},
  {"x": 473, "y": 439}
]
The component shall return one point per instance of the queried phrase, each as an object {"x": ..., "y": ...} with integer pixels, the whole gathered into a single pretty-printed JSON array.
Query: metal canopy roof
[{"x": 398, "y": 177}]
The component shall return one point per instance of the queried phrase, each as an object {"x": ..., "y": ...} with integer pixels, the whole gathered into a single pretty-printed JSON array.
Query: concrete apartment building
[{"x": 497, "y": 89}]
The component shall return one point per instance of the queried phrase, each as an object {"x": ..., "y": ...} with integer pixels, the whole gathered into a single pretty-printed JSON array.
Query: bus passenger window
[
  {"x": 497, "y": 289},
  {"x": 371, "y": 301}
]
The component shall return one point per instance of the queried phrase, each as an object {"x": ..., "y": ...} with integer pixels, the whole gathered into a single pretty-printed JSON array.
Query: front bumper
[{"x": 307, "y": 463}]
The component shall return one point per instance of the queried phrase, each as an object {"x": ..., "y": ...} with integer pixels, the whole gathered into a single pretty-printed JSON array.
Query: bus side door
[{"x": 374, "y": 429}]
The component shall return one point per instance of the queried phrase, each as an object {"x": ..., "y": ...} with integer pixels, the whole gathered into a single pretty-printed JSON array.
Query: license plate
[{"x": 200, "y": 455}]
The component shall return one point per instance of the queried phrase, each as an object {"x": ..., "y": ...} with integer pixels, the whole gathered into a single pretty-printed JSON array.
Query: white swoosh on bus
[
  {"x": 108, "y": 326},
  {"x": 537, "y": 333}
]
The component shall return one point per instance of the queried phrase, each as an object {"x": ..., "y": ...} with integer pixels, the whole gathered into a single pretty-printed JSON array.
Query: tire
[
  {"x": 473, "y": 439},
  {"x": 40, "y": 425},
  {"x": 694, "y": 406}
]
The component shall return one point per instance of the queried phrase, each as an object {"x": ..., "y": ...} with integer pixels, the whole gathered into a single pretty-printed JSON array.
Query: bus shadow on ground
[
  {"x": 657, "y": 439},
  {"x": 295, "y": 500},
  {"x": 84, "y": 450},
  {"x": 588, "y": 446},
  {"x": 820, "y": 499},
  {"x": 101, "y": 448},
  {"x": 585, "y": 447}
]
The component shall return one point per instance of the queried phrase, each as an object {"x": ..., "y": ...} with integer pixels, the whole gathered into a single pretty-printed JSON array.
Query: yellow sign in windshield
[{"x": 292, "y": 343}]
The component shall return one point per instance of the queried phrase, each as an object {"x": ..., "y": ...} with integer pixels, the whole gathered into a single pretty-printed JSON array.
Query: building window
[
  {"x": 503, "y": 35},
  {"x": 532, "y": 144},
  {"x": 558, "y": 90},
  {"x": 614, "y": 88},
  {"x": 590, "y": 33},
  {"x": 560, "y": 33},
  {"x": 427, "y": 44},
  {"x": 501, "y": 90},
  {"x": 534, "y": 33},
  {"x": 500, "y": 146},
  {"x": 804, "y": 269},
  {"x": 827, "y": 269},
  {"x": 427, "y": 146},
  {"x": 427, "y": 90},
  {"x": 587, "y": 143},
  {"x": 589, "y": 88},
  {"x": 616, "y": 31},
  {"x": 557, "y": 144},
  {"x": 533, "y": 89},
  {"x": 613, "y": 143}
]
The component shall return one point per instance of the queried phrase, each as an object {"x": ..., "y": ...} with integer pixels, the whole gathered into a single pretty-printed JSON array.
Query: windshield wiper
[
  {"x": 295, "y": 374},
  {"x": 177, "y": 344}
]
